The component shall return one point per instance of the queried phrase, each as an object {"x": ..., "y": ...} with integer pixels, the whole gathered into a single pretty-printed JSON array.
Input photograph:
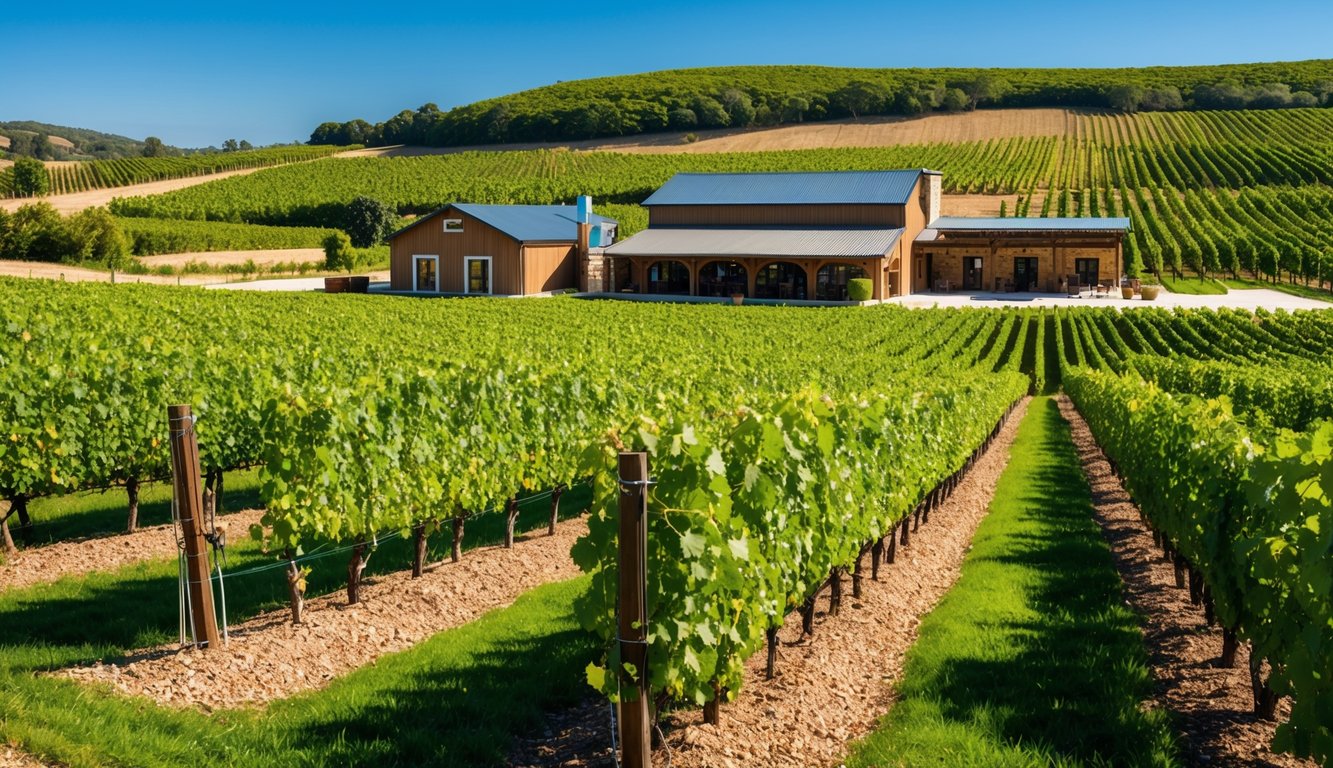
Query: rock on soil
[
  {"x": 1212, "y": 706},
  {"x": 830, "y": 688},
  {"x": 269, "y": 658},
  {"x": 52, "y": 562}
]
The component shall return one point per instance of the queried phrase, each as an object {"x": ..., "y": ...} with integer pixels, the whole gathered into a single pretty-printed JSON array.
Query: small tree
[
  {"x": 152, "y": 147},
  {"x": 710, "y": 113},
  {"x": 98, "y": 239},
  {"x": 37, "y": 233},
  {"x": 368, "y": 221},
  {"x": 955, "y": 100},
  {"x": 246, "y": 146},
  {"x": 30, "y": 178},
  {"x": 1126, "y": 98},
  {"x": 682, "y": 118},
  {"x": 230, "y": 145},
  {"x": 794, "y": 108},
  {"x": 740, "y": 108},
  {"x": 861, "y": 98},
  {"x": 339, "y": 253},
  {"x": 986, "y": 88}
]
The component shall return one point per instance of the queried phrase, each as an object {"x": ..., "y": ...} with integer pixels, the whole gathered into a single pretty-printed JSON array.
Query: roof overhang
[{"x": 772, "y": 242}]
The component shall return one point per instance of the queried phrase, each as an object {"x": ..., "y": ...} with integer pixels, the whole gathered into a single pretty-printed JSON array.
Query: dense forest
[{"x": 740, "y": 97}]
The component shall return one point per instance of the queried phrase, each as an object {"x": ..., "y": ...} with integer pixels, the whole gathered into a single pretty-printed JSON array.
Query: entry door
[
  {"x": 972, "y": 273},
  {"x": 424, "y": 273},
  {"x": 477, "y": 274},
  {"x": 930, "y": 273},
  {"x": 1025, "y": 274}
]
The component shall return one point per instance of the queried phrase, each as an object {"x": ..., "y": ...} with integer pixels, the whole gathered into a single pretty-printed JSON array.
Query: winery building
[
  {"x": 803, "y": 236},
  {"x": 502, "y": 250}
]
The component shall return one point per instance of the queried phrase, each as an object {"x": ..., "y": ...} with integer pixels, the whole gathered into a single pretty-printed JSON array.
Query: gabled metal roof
[
  {"x": 1065, "y": 224},
  {"x": 818, "y": 188},
  {"x": 524, "y": 223},
  {"x": 773, "y": 241}
]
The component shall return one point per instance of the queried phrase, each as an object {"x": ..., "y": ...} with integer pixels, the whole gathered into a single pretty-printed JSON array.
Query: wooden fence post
[
  {"x": 190, "y": 505},
  {"x": 635, "y": 741}
]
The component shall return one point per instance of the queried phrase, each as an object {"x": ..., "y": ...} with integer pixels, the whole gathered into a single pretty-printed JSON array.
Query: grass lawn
[
  {"x": 407, "y": 709},
  {"x": 1194, "y": 286},
  {"x": 1297, "y": 289},
  {"x": 1032, "y": 658}
]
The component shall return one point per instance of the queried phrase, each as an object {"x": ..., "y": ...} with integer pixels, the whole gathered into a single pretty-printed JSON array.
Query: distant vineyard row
[{"x": 107, "y": 174}]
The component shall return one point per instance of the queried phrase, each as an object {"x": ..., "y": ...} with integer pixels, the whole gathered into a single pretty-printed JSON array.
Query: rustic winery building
[
  {"x": 781, "y": 236},
  {"x": 803, "y": 236},
  {"x": 503, "y": 250}
]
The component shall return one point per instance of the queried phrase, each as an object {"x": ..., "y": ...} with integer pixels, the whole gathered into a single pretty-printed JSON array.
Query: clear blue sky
[{"x": 271, "y": 72}]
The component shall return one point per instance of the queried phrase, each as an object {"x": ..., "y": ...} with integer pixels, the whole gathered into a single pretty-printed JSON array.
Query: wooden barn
[
  {"x": 797, "y": 236},
  {"x": 803, "y": 236},
  {"x": 502, "y": 250}
]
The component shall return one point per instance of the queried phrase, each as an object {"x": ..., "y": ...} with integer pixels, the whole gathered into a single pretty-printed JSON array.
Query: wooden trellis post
[
  {"x": 635, "y": 719},
  {"x": 190, "y": 506}
]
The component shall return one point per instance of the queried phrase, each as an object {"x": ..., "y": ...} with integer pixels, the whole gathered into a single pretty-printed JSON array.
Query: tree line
[{"x": 742, "y": 97}]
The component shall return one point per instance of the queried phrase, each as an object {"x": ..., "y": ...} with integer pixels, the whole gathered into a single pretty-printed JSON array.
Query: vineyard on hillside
[
  {"x": 776, "y": 474},
  {"x": 73, "y": 177},
  {"x": 1209, "y": 192}
]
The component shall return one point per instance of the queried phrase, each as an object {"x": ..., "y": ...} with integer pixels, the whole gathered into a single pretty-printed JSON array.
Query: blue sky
[{"x": 198, "y": 74}]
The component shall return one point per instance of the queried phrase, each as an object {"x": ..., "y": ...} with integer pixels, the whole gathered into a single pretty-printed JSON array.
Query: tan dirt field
[
  {"x": 230, "y": 258},
  {"x": 73, "y": 203},
  {"x": 4, "y": 142},
  {"x": 865, "y": 132},
  {"x": 73, "y": 274}
]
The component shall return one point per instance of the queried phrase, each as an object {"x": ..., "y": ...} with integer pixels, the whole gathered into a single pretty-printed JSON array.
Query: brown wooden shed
[{"x": 502, "y": 250}]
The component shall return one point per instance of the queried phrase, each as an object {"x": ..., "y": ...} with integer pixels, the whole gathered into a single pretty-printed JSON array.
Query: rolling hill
[{"x": 739, "y": 97}]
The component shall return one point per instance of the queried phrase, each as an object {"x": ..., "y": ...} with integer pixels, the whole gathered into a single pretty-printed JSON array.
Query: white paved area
[{"x": 1258, "y": 298}]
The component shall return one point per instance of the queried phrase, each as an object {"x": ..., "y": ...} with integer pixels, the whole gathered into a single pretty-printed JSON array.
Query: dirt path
[
  {"x": 831, "y": 688},
  {"x": 77, "y": 201},
  {"x": 1212, "y": 705},
  {"x": 269, "y": 657},
  {"x": 42, "y": 565},
  {"x": 232, "y": 258},
  {"x": 43, "y": 270}
]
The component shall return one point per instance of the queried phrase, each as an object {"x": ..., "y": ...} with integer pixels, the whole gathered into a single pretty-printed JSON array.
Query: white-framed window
[
  {"x": 426, "y": 273},
  {"x": 453, "y": 226},
  {"x": 477, "y": 275}
]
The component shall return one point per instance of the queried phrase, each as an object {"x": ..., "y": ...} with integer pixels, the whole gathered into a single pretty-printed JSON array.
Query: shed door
[{"x": 424, "y": 273}]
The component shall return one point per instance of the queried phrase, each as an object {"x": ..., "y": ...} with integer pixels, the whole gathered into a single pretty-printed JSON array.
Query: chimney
[{"x": 930, "y": 193}]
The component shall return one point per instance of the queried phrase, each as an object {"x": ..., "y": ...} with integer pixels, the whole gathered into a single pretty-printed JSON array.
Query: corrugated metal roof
[
  {"x": 1066, "y": 224},
  {"x": 525, "y": 223},
  {"x": 795, "y": 243},
  {"x": 830, "y": 187}
]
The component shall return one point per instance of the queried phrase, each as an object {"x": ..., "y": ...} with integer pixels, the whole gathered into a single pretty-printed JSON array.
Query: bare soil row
[
  {"x": 269, "y": 658},
  {"x": 42, "y": 565}
]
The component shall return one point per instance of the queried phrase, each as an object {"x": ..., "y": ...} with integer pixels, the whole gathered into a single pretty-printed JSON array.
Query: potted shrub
[
  {"x": 1149, "y": 292},
  {"x": 1126, "y": 292},
  {"x": 860, "y": 289}
]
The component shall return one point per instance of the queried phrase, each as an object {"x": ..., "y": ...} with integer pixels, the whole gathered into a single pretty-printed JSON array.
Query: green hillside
[
  {"x": 88, "y": 144},
  {"x": 770, "y": 95}
]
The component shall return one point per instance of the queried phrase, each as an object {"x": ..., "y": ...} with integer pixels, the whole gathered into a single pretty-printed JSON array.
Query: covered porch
[{"x": 770, "y": 264}]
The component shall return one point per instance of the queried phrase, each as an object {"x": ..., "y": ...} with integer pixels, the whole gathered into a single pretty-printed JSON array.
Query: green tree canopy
[
  {"x": 30, "y": 178},
  {"x": 368, "y": 221}
]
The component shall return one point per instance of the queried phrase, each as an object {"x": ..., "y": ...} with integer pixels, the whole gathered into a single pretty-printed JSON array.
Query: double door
[
  {"x": 973, "y": 279},
  {"x": 1025, "y": 274}
]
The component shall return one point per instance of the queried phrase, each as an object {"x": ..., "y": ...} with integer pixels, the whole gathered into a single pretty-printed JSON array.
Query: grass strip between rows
[{"x": 1032, "y": 657}]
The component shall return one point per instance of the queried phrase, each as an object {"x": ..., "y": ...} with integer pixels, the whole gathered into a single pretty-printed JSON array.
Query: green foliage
[
  {"x": 29, "y": 178},
  {"x": 642, "y": 103},
  {"x": 36, "y": 233},
  {"x": 1248, "y": 508},
  {"x": 154, "y": 236},
  {"x": 368, "y": 221},
  {"x": 860, "y": 289},
  {"x": 339, "y": 254},
  {"x": 99, "y": 239},
  {"x": 104, "y": 174}
]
